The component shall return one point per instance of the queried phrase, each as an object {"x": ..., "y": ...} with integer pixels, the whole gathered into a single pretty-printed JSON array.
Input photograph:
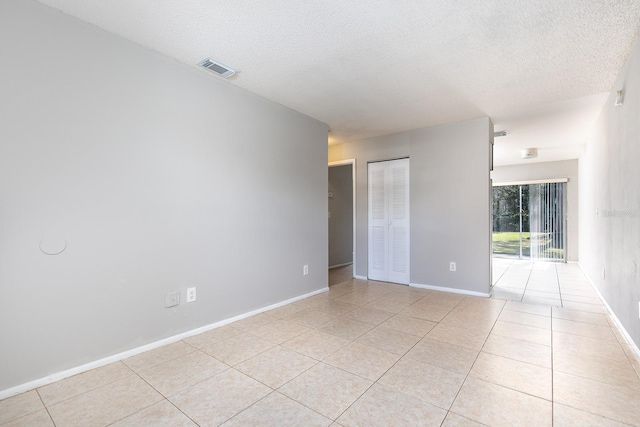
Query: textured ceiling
[
  {"x": 557, "y": 130},
  {"x": 374, "y": 67}
]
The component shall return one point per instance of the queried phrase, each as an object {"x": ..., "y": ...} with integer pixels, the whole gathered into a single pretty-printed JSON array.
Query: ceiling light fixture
[
  {"x": 500, "y": 133},
  {"x": 529, "y": 153},
  {"x": 619, "y": 98},
  {"x": 217, "y": 67}
]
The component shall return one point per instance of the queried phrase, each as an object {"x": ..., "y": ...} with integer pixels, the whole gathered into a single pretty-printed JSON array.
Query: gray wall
[
  {"x": 550, "y": 170},
  {"x": 450, "y": 200},
  {"x": 341, "y": 220},
  {"x": 159, "y": 176},
  {"x": 610, "y": 183}
]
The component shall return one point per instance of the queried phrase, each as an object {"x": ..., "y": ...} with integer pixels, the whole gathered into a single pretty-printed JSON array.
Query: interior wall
[
  {"x": 341, "y": 215},
  {"x": 610, "y": 200},
  {"x": 159, "y": 176},
  {"x": 450, "y": 200},
  {"x": 550, "y": 170}
]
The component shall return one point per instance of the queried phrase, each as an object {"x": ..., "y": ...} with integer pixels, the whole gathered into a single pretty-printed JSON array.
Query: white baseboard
[
  {"x": 355, "y": 276},
  {"x": 331, "y": 267},
  {"x": 624, "y": 332},
  {"x": 452, "y": 290},
  {"x": 120, "y": 356}
]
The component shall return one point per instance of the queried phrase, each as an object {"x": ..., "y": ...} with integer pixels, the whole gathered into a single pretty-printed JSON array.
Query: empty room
[{"x": 319, "y": 213}]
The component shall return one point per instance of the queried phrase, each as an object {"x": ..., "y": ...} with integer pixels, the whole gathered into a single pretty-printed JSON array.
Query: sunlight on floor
[{"x": 546, "y": 283}]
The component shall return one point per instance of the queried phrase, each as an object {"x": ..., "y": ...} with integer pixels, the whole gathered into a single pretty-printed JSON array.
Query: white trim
[
  {"x": 355, "y": 276},
  {"x": 351, "y": 162},
  {"x": 342, "y": 162},
  {"x": 339, "y": 265},
  {"x": 125, "y": 354},
  {"x": 452, "y": 290},
  {"x": 612, "y": 314},
  {"x": 533, "y": 181}
]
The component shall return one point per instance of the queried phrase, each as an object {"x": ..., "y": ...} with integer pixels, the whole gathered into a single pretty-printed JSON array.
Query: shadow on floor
[{"x": 340, "y": 274}]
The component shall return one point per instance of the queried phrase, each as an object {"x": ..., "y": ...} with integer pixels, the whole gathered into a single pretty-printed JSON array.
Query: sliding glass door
[
  {"x": 529, "y": 220},
  {"x": 511, "y": 236}
]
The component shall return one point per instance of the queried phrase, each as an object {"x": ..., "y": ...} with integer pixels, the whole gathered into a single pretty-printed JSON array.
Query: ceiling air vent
[{"x": 217, "y": 67}]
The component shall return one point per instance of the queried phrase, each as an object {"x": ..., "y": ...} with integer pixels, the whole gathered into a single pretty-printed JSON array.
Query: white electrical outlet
[
  {"x": 452, "y": 266},
  {"x": 191, "y": 294},
  {"x": 171, "y": 299},
  {"x": 305, "y": 270},
  {"x": 603, "y": 275}
]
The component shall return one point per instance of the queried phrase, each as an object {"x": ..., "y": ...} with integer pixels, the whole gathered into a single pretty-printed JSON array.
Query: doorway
[
  {"x": 342, "y": 218},
  {"x": 388, "y": 226},
  {"x": 529, "y": 220}
]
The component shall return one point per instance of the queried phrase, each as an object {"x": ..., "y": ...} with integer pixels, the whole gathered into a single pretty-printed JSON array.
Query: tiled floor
[
  {"x": 545, "y": 283},
  {"x": 369, "y": 354},
  {"x": 340, "y": 274}
]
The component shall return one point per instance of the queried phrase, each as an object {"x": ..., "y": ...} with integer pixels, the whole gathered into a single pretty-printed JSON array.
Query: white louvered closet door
[{"x": 389, "y": 221}]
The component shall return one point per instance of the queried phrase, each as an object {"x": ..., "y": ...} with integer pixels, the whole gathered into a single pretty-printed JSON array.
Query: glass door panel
[
  {"x": 546, "y": 208},
  {"x": 529, "y": 221},
  {"x": 510, "y": 225}
]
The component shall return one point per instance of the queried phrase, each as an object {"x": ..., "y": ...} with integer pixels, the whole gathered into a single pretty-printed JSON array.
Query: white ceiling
[
  {"x": 557, "y": 130},
  {"x": 375, "y": 67}
]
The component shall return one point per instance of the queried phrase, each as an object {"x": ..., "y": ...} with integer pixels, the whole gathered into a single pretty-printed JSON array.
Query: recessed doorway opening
[{"x": 341, "y": 217}]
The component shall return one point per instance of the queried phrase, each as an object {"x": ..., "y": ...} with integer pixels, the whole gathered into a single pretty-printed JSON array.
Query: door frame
[{"x": 351, "y": 162}]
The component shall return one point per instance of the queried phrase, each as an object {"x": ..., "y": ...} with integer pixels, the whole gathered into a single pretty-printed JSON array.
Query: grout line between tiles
[
  {"x": 86, "y": 391},
  {"x": 499, "y": 278},
  {"x": 164, "y": 397},
  {"x": 385, "y": 372},
  {"x": 559, "y": 286},
  {"x": 182, "y": 412},
  {"x": 193, "y": 349},
  {"x": 46, "y": 408},
  {"x": 274, "y": 390},
  {"x": 474, "y": 362},
  {"x": 524, "y": 291},
  {"x": 393, "y": 365}
]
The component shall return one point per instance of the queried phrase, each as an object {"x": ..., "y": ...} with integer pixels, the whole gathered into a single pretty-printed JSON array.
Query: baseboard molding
[
  {"x": 120, "y": 356},
  {"x": 360, "y": 277},
  {"x": 622, "y": 329},
  {"x": 452, "y": 290},
  {"x": 331, "y": 267}
]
